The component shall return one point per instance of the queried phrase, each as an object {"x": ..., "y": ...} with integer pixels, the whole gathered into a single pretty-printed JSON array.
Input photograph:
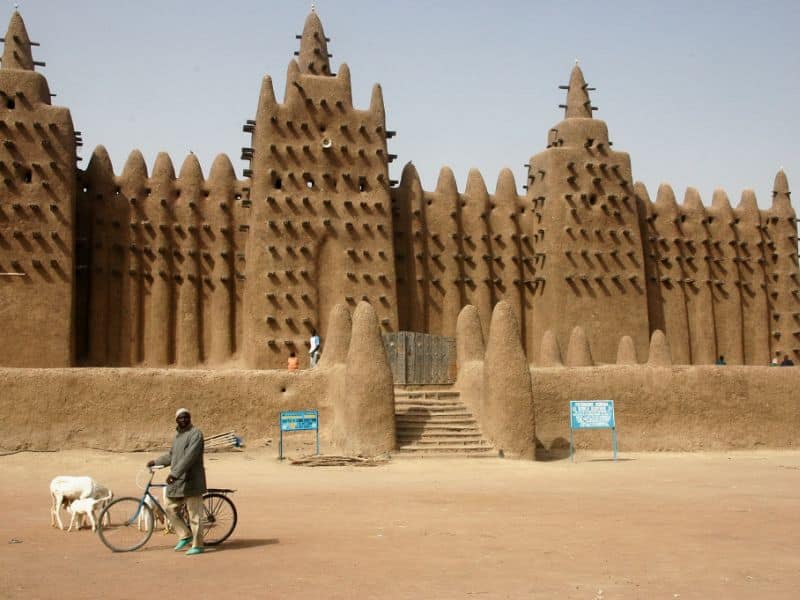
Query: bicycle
[{"x": 120, "y": 523}]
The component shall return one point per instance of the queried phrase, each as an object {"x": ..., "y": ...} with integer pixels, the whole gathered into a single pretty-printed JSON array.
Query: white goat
[
  {"x": 159, "y": 516},
  {"x": 82, "y": 508},
  {"x": 65, "y": 489}
]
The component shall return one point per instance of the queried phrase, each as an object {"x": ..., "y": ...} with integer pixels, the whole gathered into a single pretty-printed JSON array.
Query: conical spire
[
  {"x": 692, "y": 200},
  {"x": 17, "y": 51},
  {"x": 506, "y": 187},
  {"x": 781, "y": 199},
  {"x": 781, "y": 185},
  {"x": 446, "y": 184},
  {"x": 376, "y": 106},
  {"x": 720, "y": 202},
  {"x": 410, "y": 176},
  {"x": 191, "y": 172},
  {"x": 266, "y": 98},
  {"x": 578, "y": 105},
  {"x": 313, "y": 54},
  {"x": 476, "y": 186},
  {"x": 163, "y": 168},
  {"x": 99, "y": 163},
  {"x": 748, "y": 206},
  {"x": 135, "y": 166},
  {"x": 665, "y": 200},
  {"x": 222, "y": 169}
]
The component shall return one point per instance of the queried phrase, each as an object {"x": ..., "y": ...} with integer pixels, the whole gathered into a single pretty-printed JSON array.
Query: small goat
[
  {"x": 65, "y": 489},
  {"x": 159, "y": 516},
  {"x": 82, "y": 508}
]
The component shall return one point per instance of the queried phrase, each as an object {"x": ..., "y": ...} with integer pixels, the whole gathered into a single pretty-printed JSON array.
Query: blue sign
[
  {"x": 591, "y": 414},
  {"x": 302, "y": 420},
  {"x": 298, "y": 420}
]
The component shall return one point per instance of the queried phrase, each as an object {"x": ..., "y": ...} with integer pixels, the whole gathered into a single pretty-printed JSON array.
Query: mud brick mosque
[{"x": 159, "y": 266}]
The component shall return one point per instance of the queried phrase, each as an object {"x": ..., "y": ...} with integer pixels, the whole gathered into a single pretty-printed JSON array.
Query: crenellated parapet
[
  {"x": 458, "y": 248},
  {"x": 166, "y": 261},
  {"x": 722, "y": 281}
]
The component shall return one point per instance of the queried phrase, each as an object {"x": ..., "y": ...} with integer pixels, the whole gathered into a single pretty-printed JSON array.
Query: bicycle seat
[{"x": 221, "y": 490}]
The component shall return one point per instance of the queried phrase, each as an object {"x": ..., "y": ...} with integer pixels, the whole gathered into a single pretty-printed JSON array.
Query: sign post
[
  {"x": 299, "y": 420},
  {"x": 591, "y": 414}
]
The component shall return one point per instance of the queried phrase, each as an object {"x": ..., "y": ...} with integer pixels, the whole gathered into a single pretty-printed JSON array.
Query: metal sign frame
[
  {"x": 611, "y": 423},
  {"x": 298, "y": 420}
]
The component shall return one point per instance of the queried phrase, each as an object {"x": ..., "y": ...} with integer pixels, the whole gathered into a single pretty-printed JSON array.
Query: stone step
[
  {"x": 433, "y": 395},
  {"x": 436, "y": 419},
  {"x": 431, "y": 410},
  {"x": 431, "y": 440},
  {"x": 452, "y": 449},
  {"x": 444, "y": 433},
  {"x": 422, "y": 418},
  {"x": 417, "y": 400},
  {"x": 415, "y": 427},
  {"x": 400, "y": 388}
]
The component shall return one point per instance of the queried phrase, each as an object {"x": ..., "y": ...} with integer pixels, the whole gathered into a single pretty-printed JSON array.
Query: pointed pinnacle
[
  {"x": 313, "y": 55},
  {"x": 578, "y": 103},
  {"x": 17, "y": 51}
]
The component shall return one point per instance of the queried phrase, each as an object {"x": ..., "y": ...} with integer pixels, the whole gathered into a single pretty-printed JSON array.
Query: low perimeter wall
[
  {"x": 657, "y": 408},
  {"x": 671, "y": 408},
  {"x": 134, "y": 409}
]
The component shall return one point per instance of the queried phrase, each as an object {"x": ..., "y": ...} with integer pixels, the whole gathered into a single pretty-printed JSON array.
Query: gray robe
[{"x": 186, "y": 461}]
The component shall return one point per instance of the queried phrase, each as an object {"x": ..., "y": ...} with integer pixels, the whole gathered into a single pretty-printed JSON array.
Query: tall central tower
[
  {"x": 320, "y": 230},
  {"x": 588, "y": 248}
]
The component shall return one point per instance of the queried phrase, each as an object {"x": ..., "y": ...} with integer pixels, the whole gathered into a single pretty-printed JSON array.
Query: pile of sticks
[
  {"x": 339, "y": 461},
  {"x": 222, "y": 441}
]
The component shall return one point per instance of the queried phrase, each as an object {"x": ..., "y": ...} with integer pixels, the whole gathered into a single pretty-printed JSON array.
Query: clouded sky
[{"x": 699, "y": 93}]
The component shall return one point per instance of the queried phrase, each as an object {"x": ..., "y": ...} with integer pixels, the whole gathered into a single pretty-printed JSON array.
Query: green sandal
[
  {"x": 183, "y": 543},
  {"x": 194, "y": 551}
]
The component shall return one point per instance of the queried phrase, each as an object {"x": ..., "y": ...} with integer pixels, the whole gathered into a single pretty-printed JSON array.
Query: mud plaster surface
[{"x": 688, "y": 526}]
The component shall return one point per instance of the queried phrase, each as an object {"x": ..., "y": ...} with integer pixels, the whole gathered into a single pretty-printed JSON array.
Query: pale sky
[{"x": 699, "y": 93}]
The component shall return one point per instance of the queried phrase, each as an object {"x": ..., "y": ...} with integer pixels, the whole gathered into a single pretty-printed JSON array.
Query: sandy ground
[{"x": 709, "y": 526}]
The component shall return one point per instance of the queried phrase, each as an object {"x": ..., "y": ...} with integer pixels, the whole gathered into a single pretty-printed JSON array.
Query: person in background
[
  {"x": 314, "y": 348},
  {"x": 775, "y": 362},
  {"x": 294, "y": 363},
  {"x": 787, "y": 362},
  {"x": 720, "y": 360}
]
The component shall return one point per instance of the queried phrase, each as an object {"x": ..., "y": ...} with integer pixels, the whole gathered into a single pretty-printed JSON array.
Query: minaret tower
[
  {"x": 586, "y": 244},
  {"x": 37, "y": 208},
  {"x": 320, "y": 231}
]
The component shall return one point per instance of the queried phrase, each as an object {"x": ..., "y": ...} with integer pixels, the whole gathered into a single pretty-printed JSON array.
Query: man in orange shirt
[{"x": 294, "y": 362}]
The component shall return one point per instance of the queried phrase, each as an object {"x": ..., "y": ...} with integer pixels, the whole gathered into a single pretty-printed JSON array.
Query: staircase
[{"x": 434, "y": 422}]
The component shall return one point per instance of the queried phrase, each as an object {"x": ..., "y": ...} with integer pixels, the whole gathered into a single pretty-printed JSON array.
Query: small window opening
[
  {"x": 28, "y": 176},
  {"x": 278, "y": 183},
  {"x": 362, "y": 184},
  {"x": 10, "y": 104},
  {"x": 310, "y": 183}
]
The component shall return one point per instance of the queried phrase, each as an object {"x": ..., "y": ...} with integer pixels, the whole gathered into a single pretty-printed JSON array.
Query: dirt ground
[{"x": 707, "y": 526}]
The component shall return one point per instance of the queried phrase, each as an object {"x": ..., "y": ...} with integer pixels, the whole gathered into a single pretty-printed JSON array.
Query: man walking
[{"x": 186, "y": 482}]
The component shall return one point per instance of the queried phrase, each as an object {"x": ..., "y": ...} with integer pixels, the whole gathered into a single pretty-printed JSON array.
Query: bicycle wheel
[
  {"x": 125, "y": 525},
  {"x": 219, "y": 518}
]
